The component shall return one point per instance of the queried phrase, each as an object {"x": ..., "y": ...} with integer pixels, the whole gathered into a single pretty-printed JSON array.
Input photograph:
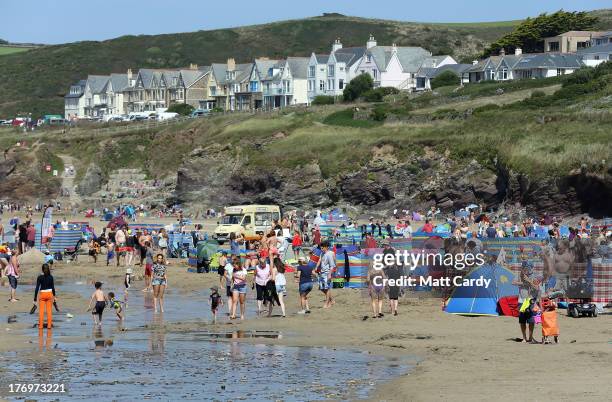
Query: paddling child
[
  {"x": 215, "y": 301},
  {"x": 98, "y": 299},
  {"x": 116, "y": 304}
]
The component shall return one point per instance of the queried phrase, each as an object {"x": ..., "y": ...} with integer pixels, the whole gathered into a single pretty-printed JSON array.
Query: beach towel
[{"x": 549, "y": 323}]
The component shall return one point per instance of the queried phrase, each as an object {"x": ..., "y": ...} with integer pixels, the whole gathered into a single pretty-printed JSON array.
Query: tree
[
  {"x": 3, "y": 42},
  {"x": 445, "y": 79},
  {"x": 323, "y": 100},
  {"x": 529, "y": 35},
  {"x": 181, "y": 108},
  {"x": 358, "y": 85}
]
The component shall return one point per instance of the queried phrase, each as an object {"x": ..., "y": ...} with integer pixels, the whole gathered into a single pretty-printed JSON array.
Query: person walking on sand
[
  {"x": 120, "y": 239},
  {"x": 215, "y": 301},
  {"x": 325, "y": 267},
  {"x": 303, "y": 275},
  {"x": 239, "y": 290},
  {"x": 12, "y": 272},
  {"x": 160, "y": 281},
  {"x": 227, "y": 280},
  {"x": 262, "y": 276},
  {"x": 376, "y": 290},
  {"x": 278, "y": 276},
  {"x": 97, "y": 303},
  {"x": 44, "y": 293},
  {"x": 148, "y": 270}
]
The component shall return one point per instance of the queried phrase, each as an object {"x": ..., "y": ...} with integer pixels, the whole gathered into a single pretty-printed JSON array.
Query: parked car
[
  {"x": 200, "y": 113},
  {"x": 166, "y": 116}
]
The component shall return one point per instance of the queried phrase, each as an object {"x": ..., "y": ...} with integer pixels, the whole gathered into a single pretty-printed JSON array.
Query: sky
[{"x": 61, "y": 21}]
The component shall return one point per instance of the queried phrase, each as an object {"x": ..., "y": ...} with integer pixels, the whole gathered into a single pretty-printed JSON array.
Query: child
[
  {"x": 116, "y": 304},
  {"x": 215, "y": 301},
  {"x": 100, "y": 300},
  {"x": 296, "y": 244},
  {"x": 94, "y": 250},
  {"x": 549, "y": 322},
  {"x": 48, "y": 258}
]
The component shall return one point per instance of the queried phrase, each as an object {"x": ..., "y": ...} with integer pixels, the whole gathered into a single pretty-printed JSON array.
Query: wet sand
[
  {"x": 459, "y": 358},
  {"x": 463, "y": 358}
]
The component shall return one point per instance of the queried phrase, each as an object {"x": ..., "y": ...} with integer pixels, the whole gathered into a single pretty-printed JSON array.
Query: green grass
[
  {"x": 345, "y": 118},
  {"x": 4, "y": 50}
]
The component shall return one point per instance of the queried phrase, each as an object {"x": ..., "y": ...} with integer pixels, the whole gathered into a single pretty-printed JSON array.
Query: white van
[{"x": 251, "y": 221}]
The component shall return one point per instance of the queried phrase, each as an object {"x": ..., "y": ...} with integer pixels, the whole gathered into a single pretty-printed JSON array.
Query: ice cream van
[{"x": 249, "y": 220}]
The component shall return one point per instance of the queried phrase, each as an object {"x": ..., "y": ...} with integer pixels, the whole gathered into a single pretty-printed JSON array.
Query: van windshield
[{"x": 233, "y": 219}]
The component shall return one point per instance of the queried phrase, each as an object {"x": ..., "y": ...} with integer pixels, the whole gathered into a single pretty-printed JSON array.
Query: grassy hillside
[
  {"x": 36, "y": 81},
  {"x": 543, "y": 128},
  {"x": 4, "y": 50}
]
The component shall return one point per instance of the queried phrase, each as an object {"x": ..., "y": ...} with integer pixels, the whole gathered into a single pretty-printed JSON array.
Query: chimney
[
  {"x": 518, "y": 51},
  {"x": 231, "y": 64},
  {"x": 129, "y": 74},
  {"x": 193, "y": 66},
  {"x": 474, "y": 62},
  {"x": 394, "y": 48},
  {"x": 336, "y": 45},
  {"x": 502, "y": 52},
  {"x": 371, "y": 42}
]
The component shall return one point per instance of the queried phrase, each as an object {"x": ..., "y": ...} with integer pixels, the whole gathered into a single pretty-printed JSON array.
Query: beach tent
[{"x": 481, "y": 300}]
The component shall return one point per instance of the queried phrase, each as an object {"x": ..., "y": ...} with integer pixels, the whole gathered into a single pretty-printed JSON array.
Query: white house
[
  {"x": 298, "y": 66},
  {"x": 426, "y": 74},
  {"x": 599, "y": 51},
  {"x": 74, "y": 101},
  {"x": 94, "y": 95},
  {"x": 112, "y": 94},
  {"x": 520, "y": 66},
  {"x": 394, "y": 66}
]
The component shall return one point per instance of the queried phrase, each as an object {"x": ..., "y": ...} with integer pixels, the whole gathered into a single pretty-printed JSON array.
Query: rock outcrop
[{"x": 91, "y": 182}]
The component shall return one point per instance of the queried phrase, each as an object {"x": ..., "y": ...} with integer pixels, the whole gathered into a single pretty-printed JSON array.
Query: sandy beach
[{"x": 456, "y": 357}]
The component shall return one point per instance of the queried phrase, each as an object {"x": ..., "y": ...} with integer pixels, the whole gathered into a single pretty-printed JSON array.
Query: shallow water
[{"x": 122, "y": 361}]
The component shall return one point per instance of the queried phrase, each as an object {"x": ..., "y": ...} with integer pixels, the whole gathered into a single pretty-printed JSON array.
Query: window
[
  {"x": 340, "y": 84},
  {"x": 310, "y": 85},
  {"x": 253, "y": 87},
  {"x": 553, "y": 46},
  {"x": 560, "y": 71},
  {"x": 503, "y": 74},
  {"x": 341, "y": 68},
  {"x": 331, "y": 70},
  {"x": 610, "y": 56},
  {"x": 213, "y": 91},
  {"x": 311, "y": 71},
  {"x": 375, "y": 73},
  {"x": 582, "y": 45},
  {"x": 596, "y": 57},
  {"x": 330, "y": 85},
  {"x": 174, "y": 81},
  {"x": 321, "y": 85}
]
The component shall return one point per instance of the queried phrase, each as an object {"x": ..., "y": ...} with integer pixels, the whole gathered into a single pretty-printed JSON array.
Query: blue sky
[{"x": 60, "y": 21}]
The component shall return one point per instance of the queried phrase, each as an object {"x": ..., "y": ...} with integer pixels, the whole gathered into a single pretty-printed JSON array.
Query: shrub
[
  {"x": 445, "y": 79},
  {"x": 538, "y": 94},
  {"x": 485, "y": 108},
  {"x": 378, "y": 94},
  {"x": 345, "y": 118},
  {"x": 323, "y": 100},
  {"x": 379, "y": 113},
  {"x": 357, "y": 87},
  {"x": 181, "y": 108}
]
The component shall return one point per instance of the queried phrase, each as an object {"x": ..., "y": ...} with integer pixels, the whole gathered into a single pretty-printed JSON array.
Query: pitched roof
[
  {"x": 433, "y": 61},
  {"x": 119, "y": 82},
  {"x": 322, "y": 58},
  {"x": 263, "y": 66},
  {"x": 431, "y": 72},
  {"x": 298, "y": 66},
  {"x": 605, "y": 48},
  {"x": 97, "y": 83},
  {"x": 548, "y": 60},
  {"x": 189, "y": 77},
  {"x": 410, "y": 58},
  {"x": 349, "y": 55},
  {"x": 579, "y": 33}
]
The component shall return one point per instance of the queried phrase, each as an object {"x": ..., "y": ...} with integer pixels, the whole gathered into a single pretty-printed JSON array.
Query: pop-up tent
[{"x": 482, "y": 300}]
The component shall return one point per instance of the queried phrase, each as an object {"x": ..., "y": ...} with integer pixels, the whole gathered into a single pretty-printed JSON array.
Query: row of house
[
  {"x": 267, "y": 83},
  {"x": 262, "y": 83}
]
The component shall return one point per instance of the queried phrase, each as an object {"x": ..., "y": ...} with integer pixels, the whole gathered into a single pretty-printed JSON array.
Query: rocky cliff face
[{"x": 387, "y": 183}]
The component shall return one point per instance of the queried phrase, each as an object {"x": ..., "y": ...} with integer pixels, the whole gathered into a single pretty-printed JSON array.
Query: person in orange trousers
[{"x": 45, "y": 294}]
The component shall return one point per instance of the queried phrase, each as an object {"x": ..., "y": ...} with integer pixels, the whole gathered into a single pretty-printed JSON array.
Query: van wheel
[
  {"x": 574, "y": 312},
  {"x": 220, "y": 242},
  {"x": 595, "y": 312}
]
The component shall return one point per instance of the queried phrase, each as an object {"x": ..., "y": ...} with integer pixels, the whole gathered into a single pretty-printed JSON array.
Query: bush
[
  {"x": 445, "y": 79},
  {"x": 485, "y": 108},
  {"x": 379, "y": 113},
  {"x": 538, "y": 94},
  {"x": 345, "y": 118},
  {"x": 357, "y": 87},
  {"x": 323, "y": 100},
  {"x": 378, "y": 94},
  {"x": 181, "y": 108}
]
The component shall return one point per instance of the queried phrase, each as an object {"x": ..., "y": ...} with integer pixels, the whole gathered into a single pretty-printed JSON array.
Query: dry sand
[{"x": 460, "y": 358}]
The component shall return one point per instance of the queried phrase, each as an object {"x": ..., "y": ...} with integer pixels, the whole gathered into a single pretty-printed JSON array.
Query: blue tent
[{"x": 481, "y": 300}]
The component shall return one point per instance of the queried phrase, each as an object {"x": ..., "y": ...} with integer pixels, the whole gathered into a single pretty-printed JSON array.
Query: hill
[
  {"x": 36, "y": 81},
  {"x": 545, "y": 144}
]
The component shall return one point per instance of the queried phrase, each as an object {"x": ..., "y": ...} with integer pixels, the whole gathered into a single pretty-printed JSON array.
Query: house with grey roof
[
  {"x": 112, "y": 94},
  {"x": 426, "y": 74},
  {"x": 298, "y": 66},
  {"x": 599, "y": 51},
  {"x": 74, "y": 101},
  {"x": 392, "y": 66},
  {"x": 229, "y": 79},
  {"x": 94, "y": 96},
  {"x": 520, "y": 66}
]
